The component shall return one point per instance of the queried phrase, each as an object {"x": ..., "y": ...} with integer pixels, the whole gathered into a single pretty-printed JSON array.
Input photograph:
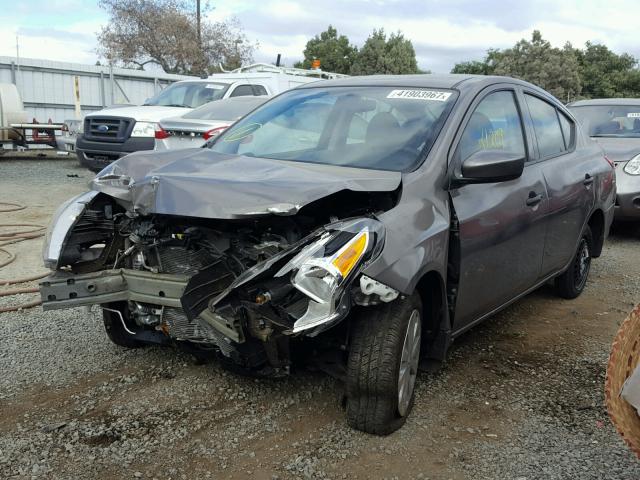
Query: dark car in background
[
  {"x": 360, "y": 224},
  {"x": 615, "y": 124}
]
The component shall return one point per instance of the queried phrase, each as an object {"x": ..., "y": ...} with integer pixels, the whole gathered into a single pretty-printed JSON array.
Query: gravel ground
[{"x": 520, "y": 396}]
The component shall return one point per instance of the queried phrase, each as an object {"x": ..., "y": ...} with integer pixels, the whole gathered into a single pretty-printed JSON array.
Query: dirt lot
[{"x": 520, "y": 396}]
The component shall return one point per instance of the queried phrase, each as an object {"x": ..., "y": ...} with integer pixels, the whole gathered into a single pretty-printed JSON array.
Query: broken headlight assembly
[
  {"x": 113, "y": 181},
  {"x": 61, "y": 223},
  {"x": 112, "y": 176},
  {"x": 323, "y": 269}
]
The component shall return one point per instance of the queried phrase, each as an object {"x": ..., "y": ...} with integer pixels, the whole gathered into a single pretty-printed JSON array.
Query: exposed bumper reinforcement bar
[
  {"x": 68, "y": 290},
  {"x": 62, "y": 290}
]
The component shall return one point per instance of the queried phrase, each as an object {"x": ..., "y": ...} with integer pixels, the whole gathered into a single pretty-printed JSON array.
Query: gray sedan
[
  {"x": 359, "y": 225},
  {"x": 196, "y": 127},
  {"x": 615, "y": 124}
]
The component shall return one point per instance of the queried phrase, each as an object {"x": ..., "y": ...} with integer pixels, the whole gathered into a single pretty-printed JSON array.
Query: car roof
[
  {"x": 605, "y": 101},
  {"x": 457, "y": 81}
]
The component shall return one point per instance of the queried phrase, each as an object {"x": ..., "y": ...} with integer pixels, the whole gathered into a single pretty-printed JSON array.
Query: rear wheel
[
  {"x": 115, "y": 317},
  {"x": 572, "y": 282},
  {"x": 383, "y": 365}
]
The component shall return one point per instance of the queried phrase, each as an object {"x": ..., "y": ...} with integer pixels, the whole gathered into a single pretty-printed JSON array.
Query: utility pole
[
  {"x": 199, "y": 36},
  {"x": 18, "y": 53},
  {"x": 198, "y": 22}
]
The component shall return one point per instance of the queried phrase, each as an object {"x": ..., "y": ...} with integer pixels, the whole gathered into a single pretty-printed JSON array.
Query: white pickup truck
[{"x": 117, "y": 131}]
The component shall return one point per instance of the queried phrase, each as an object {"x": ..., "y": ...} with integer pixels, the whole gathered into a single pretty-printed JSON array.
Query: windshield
[
  {"x": 189, "y": 94},
  {"x": 385, "y": 128},
  {"x": 229, "y": 109},
  {"x": 609, "y": 120}
]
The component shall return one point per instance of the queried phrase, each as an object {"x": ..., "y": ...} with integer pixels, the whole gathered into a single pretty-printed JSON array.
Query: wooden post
[{"x": 76, "y": 96}]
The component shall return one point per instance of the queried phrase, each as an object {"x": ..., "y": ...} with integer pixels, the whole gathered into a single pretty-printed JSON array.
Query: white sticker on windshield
[
  {"x": 633, "y": 115},
  {"x": 420, "y": 95},
  {"x": 215, "y": 86}
]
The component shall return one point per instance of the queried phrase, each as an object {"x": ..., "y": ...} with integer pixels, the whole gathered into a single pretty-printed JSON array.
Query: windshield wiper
[{"x": 177, "y": 105}]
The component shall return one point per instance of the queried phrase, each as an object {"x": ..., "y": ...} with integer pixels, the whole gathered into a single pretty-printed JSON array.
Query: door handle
[
  {"x": 588, "y": 179},
  {"x": 533, "y": 199}
]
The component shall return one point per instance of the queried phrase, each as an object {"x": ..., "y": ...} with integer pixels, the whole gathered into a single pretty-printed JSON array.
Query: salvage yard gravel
[{"x": 520, "y": 397}]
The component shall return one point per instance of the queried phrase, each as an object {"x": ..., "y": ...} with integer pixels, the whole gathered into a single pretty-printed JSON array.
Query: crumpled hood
[
  {"x": 619, "y": 149},
  {"x": 143, "y": 113},
  {"x": 206, "y": 184}
]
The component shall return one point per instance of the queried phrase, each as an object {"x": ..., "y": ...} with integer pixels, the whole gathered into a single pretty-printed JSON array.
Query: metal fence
[{"x": 47, "y": 87}]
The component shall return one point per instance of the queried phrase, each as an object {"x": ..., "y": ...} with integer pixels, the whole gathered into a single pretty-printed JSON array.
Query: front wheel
[
  {"x": 572, "y": 282},
  {"x": 383, "y": 365}
]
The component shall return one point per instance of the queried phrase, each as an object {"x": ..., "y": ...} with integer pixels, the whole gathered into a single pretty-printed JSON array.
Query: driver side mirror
[{"x": 489, "y": 166}]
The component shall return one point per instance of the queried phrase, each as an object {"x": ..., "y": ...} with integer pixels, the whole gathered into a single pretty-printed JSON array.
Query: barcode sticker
[{"x": 435, "y": 95}]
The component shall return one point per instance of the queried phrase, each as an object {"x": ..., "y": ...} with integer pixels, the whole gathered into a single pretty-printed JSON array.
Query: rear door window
[
  {"x": 546, "y": 125},
  {"x": 494, "y": 125}
]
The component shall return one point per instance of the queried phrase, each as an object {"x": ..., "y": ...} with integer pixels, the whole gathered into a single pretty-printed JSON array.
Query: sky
[{"x": 443, "y": 32}]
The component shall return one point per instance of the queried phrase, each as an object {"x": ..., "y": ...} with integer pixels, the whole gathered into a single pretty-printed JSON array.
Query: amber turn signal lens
[{"x": 351, "y": 253}]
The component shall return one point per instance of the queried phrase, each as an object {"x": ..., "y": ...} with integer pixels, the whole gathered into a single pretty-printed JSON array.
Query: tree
[
  {"x": 335, "y": 52},
  {"x": 381, "y": 56},
  {"x": 474, "y": 68},
  {"x": 568, "y": 73},
  {"x": 536, "y": 61},
  {"x": 165, "y": 33},
  {"x": 606, "y": 74}
]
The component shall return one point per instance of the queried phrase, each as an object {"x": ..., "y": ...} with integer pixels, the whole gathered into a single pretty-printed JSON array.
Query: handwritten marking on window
[{"x": 492, "y": 139}]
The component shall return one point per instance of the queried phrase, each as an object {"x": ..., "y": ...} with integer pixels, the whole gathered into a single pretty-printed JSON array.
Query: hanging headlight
[
  {"x": 324, "y": 268},
  {"x": 63, "y": 219},
  {"x": 319, "y": 278},
  {"x": 114, "y": 181},
  {"x": 633, "y": 166}
]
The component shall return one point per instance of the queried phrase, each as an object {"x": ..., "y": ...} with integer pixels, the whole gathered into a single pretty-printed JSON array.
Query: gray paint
[
  {"x": 202, "y": 183},
  {"x": 507, "y": 247}
]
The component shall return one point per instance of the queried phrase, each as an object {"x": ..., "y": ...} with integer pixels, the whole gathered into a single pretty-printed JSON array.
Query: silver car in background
[
  {"x": 66, "y": 140},
  {"x": 194, "y": 128},
  {"x": 615, "y": 124}
]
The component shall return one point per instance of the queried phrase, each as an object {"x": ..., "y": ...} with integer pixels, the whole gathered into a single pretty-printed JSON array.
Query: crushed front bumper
[{"x": 67, "y": 290}]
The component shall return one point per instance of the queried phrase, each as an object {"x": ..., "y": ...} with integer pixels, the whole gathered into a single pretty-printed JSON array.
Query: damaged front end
[{"x": 242, "y": 287}]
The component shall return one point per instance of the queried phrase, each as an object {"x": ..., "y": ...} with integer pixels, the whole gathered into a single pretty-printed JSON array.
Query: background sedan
[
  {"x": 194, "y": 128},
  {"x": 615, "y": 124}
]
